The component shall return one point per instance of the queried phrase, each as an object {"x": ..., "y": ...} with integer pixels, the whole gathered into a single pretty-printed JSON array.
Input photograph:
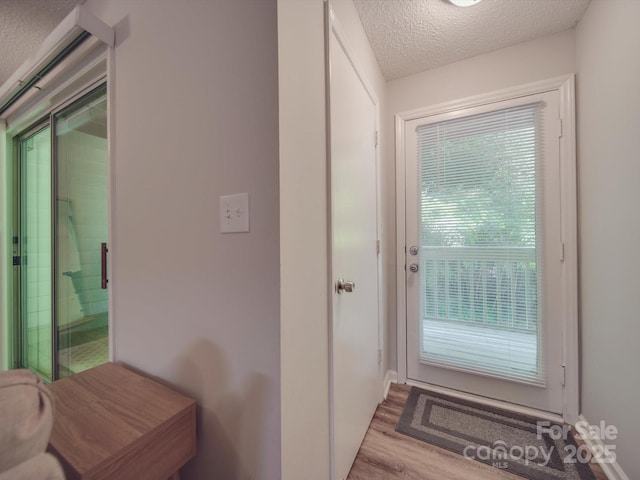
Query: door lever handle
[{"x": 345, "y": 286}]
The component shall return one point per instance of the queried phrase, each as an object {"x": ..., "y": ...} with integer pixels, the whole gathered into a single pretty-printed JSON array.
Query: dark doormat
[{"x": 519, "y": 444}]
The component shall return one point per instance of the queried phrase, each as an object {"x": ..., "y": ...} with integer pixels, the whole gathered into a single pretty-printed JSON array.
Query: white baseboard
[
  {"x": 613, "y": 471},
  {"x": 389, "y": 378}
]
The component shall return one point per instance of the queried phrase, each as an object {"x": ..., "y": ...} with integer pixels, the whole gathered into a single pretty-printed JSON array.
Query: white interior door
[
  {"x": 354, "y": 356},
  {"x": 484, "y": 251}
]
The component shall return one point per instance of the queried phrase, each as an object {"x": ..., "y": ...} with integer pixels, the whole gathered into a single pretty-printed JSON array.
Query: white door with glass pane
[{"x": 483, "y": 251}]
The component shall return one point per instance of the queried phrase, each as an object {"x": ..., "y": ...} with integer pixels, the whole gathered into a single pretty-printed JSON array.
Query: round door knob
[
  {"x": 414, "y": 267},
  {"x": 345, "y": 286}
]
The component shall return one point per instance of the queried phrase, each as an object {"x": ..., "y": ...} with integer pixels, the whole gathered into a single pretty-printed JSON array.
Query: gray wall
[
  {"x": 608, "y": 87},
  {"x": 195, "y": 103}
]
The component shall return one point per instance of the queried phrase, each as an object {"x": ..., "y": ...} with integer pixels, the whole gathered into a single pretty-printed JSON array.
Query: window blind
[{"x": 479, "y": 183}]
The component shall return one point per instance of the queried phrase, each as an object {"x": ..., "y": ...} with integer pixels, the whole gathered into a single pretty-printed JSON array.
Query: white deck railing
[{"x": 495, "y": 287}]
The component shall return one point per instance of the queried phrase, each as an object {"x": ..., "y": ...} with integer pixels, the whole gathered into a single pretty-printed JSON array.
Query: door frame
[
  {"x": 332, "y": 27},
  {"x": 565, "y": 85}
]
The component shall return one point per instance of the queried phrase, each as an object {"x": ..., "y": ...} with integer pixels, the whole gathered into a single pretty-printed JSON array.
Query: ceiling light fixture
[{"x": 465, "y": 3}]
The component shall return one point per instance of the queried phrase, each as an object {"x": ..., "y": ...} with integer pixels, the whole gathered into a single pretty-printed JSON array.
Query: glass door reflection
[
  {"x": 81, "y": 219},
  {"x": 34, "y": 261}
]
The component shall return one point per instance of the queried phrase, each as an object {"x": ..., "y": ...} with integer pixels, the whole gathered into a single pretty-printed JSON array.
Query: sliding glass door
[{"x": 63, "y": 211}]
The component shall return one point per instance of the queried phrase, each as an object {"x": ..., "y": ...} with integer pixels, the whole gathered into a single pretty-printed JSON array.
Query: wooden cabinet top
[{"x": 113, "y": 423}]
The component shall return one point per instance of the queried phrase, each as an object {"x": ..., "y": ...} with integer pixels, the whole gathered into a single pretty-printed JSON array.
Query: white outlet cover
[{"x": 234, "y": 213}]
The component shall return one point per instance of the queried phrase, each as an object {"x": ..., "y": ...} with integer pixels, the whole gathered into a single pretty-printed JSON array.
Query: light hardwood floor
[{"x": 388, "y": 455}]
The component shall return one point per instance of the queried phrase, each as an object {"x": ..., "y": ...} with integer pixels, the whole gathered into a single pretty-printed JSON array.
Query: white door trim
[
  {"x": 611, "y": 469},
  {"x": 565, "y": 85}
]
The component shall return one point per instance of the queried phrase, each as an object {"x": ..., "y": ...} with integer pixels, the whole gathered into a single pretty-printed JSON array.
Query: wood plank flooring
[{"x": 388, "y": 455}]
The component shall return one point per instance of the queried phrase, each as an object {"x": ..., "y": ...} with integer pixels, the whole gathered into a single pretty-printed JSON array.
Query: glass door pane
[
  {"x": 479, "y": 249},
  {"x": 35, "y": 252},
  {"x": 81, "y": 234}
]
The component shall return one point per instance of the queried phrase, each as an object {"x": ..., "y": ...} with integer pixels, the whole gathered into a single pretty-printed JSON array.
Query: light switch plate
[{"x": 234, "y": 213}]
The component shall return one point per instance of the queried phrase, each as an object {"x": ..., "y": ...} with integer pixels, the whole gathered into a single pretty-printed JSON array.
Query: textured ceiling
[
  {"x": 24, "y": 24},
  {"x": 407, "y": 36},
  {"x": 410, "y": 36}
]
